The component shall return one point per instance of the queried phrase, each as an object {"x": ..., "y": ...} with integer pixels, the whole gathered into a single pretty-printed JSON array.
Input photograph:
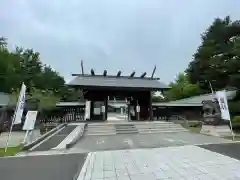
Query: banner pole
[
  {"x": 9, "y": 134},
  {"x": 232, "y": 130},
  {"x": 13, "y": 119},
  {"x": 10, "y": 131},
  {"x": 25, "y": 137}
]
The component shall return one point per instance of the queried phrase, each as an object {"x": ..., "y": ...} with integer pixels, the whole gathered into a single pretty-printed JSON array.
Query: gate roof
[{"x": 117, "y": 82}]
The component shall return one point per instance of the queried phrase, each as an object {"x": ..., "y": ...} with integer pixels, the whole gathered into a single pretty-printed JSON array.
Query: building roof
[
  {"x": 4, "y": 99},
  {"x": 122, "y": 82},
  {"x": 198, "y": 99}
]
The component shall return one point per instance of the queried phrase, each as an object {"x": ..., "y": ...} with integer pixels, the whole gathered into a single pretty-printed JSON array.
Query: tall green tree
[
  {"x": 24, "y": 65},
  {"x": 217, "y": 59},
  {"x": 182, "y": 88}
]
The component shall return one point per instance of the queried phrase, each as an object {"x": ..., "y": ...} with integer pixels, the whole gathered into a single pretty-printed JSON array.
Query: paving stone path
[{"x": 175, "y": 163}]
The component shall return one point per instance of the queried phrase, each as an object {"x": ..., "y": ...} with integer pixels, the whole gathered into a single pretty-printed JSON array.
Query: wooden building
[{"x": 136, "y": 90}]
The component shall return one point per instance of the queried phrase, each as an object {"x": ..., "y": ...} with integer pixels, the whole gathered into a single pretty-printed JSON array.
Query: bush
[
  {"x": 195, "y": 124},
  {"x": 236, "y": 119}
]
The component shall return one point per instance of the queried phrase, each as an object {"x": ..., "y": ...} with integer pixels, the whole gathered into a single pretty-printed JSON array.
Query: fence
[{"x": 51, "y": 117}]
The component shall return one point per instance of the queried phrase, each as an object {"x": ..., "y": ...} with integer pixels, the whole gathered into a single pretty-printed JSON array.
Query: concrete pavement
[
  {"x": 16, "y": 137},
  {"x": 55, "y": 140},
  {"x": 48, "y": 167},
  {"x": 127, "y": 156},
  {"x": 135, "y": 141}
]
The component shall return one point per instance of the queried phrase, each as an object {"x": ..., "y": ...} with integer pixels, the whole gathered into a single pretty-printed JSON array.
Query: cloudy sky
[{"x": 112, "y": 34}]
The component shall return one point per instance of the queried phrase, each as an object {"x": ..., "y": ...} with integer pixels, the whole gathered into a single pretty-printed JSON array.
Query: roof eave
[{"x": 117, "y": 87}]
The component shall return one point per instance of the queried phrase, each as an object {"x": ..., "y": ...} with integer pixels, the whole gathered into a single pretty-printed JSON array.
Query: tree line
[
  {"x": 24, "y": 65},
  {"x": 216, "y": 61}
]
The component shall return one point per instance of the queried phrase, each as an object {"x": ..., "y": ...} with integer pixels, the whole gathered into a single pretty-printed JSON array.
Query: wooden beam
[
  {"x": 92, "y": 72},
  {"x": 143, "y": 75},
  {"x": 132, "y": 74},
  {"x": 82, "y": 67},
  {"x": 114, "y": 76},
  {"x": 119, "y": 73},
  {"x": 105, "y": 73},
  {"x": 153, "y": 71}
]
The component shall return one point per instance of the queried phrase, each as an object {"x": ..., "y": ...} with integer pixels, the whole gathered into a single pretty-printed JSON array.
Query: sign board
[
  {"x": 30, "y": 120},
  {"x": 103, "y": 109},
  {"x": 97, "y": 111},
  {"x": 222, "y": 100},
  {"x": 87, "y": 110},
  {"x": 138, "y": 108}
]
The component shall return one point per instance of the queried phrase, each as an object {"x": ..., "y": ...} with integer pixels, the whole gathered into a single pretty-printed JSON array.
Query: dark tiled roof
[
  {"x": 117, "y": 82},
  {"x": 204, "y": 97},
  {"x": 196, "y": 100}
]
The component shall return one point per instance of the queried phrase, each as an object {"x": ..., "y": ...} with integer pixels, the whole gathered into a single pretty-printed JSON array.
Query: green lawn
[
  {"x": 236, "y": 138},
  {"x": 194, "y": 129},
  {"x": 11, "y": 151}
]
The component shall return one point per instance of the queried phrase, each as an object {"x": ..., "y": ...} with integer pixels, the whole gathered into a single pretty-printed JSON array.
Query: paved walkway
[
  {"x": 135, "y": 141},
  {"x": 175, "y": 163},
  {"x": 54, "y": 140},
  {"x": 16, "y": 138}
]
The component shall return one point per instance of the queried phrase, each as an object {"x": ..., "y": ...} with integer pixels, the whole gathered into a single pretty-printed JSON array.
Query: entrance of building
[{"x": 136, "y": 90}]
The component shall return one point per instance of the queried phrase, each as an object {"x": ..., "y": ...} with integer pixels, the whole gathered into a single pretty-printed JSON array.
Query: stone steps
[{"x": 132, "y": 128}]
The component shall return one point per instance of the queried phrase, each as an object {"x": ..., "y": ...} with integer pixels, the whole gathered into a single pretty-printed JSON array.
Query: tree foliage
[
  {"x": 43, "y": 83},
  {"x": 24, "y": 65},
  {"x": 182, "y": 88},
  {"x": 218, "y": 57}
]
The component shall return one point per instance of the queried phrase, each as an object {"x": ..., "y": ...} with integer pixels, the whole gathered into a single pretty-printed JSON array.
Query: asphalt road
[
  {"x": 54, "y": 167},
  {"x": 229, "y": 149},
  {"x": 56, "y": 139},
  {"x": 133, "y": 141}
]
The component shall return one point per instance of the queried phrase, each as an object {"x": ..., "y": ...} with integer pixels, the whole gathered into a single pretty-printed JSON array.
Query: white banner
[
  {"x": 87, "y": 110},
  {"x": 103, "y": 109},
  {"x": 222, "y": 100},
  {"x": 20, "y": 106},
  {"x": 138, "y": 108},
  {"x": 30, "y": 120}
]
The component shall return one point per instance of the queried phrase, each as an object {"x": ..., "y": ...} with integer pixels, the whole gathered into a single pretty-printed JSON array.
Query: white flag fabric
[
  {"x": 20, "y": 106},
  {"x": 222, "y": 100}
]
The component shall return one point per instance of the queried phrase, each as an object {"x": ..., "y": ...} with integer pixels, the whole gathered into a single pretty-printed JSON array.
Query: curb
[
  {"x": 30, "y": 145},
  {"x": 76, "y": 139},
  {"x": 80, "y": 175}
]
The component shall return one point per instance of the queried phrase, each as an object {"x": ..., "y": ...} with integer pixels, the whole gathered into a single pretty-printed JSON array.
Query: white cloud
[{"x": 112, "y": 35}]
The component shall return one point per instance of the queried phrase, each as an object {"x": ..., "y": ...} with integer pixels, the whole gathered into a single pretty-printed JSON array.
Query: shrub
[
  {"x": 195, "y": 124},
  {"x": 236, "y": 119}
]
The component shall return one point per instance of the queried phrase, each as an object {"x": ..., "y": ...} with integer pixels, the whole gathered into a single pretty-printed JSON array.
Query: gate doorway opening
[{"x": 136, "y": 91}]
